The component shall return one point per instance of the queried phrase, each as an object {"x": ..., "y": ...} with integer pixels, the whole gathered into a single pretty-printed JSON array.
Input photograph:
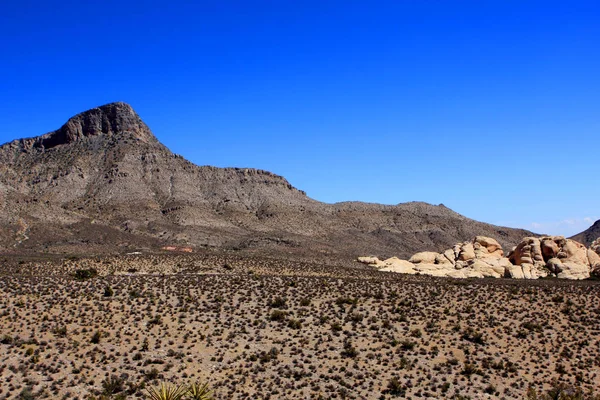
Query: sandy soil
[{"x": 261, "y": 329}]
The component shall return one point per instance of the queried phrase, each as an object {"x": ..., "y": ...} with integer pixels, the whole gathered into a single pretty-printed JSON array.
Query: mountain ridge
[
  {"x": 104, "y": 177},
  {"x": 589, "y": 235}
]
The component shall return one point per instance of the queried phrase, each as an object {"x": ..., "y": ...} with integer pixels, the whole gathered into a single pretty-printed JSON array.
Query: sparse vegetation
[{"x": 326, "y": 333}]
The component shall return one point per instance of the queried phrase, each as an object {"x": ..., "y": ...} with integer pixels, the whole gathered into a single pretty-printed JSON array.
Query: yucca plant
[
  {"x": 199, "y": 391},
  {"x": 167, "y": 392}
]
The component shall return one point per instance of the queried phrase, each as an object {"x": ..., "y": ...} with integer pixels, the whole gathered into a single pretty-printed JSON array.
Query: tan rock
[
  {"x": 465, "y": 273},
  {"x": 372, "y": 261},
  {"x": 594, "y": 260},
  {"x": 442, "y": 259},
  {"x": 486, "y": 269},
  {"x": 595, "y": 246},
  {"x": 487, "y": 246},
  {"x": 573, "y": 270},
  {"x": 449, "y": 254},
  {"x": 434, "y": 269},
  {"x": 515, "y": 272},
  {"x": 576, "y": 252},
  {"x": 467, "y": 252},
  {"x": 550, "y": 248},
  {"x": 424, "y": 257},
  {"x": 554, "y": 265},
  {"x": 527, "y": 252},
  {"x": 395, "y": 264}
]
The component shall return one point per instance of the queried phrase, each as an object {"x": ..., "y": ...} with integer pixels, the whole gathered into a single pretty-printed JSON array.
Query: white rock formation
[{"x": 533, "y": 258}]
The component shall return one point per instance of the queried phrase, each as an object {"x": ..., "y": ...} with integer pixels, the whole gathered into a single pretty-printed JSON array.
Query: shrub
[
  {"x": 349, "y": 350},
  {"x": 83, "y": 274},
  {"x": 277, "y": 315},
  {"x": 340, "y": 301},
  {"x": 96, "y": 337},
  {"x": 108, "y": 291},
  {"x": 277, "y": 302},
  {"x": 294, "y": 324},
  {"x": 395, "y": 387},
  {"x": 113, "y": 385}
]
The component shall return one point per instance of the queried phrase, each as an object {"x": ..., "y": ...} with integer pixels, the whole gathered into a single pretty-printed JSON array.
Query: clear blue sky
[{"x": 490, "y": 107}]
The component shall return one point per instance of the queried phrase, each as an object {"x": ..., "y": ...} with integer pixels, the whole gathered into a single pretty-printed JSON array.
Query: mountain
[
  {"x": 104, "y": 183},
  {"x": 589, "y": 235}
]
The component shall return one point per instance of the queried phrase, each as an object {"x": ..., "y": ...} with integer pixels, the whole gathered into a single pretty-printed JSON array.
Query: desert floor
[{"x": 269, "y": 329}]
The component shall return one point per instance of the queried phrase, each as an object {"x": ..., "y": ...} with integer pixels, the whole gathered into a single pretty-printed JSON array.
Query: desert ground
[{"x": 252, "y": 327}]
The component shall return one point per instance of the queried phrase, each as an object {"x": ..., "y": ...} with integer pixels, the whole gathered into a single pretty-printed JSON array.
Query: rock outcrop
[{"x": 483, "y": 257}]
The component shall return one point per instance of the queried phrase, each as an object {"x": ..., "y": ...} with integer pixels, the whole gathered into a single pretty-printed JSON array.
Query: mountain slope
[
  {"x": 103, "y": 182},
  {"x": 589, "y": 235}
]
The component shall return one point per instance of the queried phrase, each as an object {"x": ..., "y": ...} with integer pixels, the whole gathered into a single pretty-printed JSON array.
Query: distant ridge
[
  {"x": 103, "y": 183},
  {"x": 589, "y": 235}
]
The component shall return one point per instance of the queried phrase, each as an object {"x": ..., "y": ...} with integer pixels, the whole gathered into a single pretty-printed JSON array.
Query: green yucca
[
  {"x": 199, "y": 391},
  {"x": 167, "y": 392}
]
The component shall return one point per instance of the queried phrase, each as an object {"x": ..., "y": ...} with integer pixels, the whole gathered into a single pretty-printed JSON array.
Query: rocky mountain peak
[{"x": 110, "y": 119}]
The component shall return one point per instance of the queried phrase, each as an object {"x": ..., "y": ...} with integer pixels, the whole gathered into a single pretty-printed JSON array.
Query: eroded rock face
[
  {"x": 595, "y": 246},
  {"x": 593, "y": 254},
  {"x": 532, "y": 258},
  {"x": 552, "y": 255}
]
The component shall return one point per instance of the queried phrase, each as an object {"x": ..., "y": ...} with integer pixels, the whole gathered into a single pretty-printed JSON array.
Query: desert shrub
[
  {"x": 395, "y": 387},
  {"x": 407, "y": 344},
  {"x": 470, "y": 369},
  {"x": 83, "y": 274},
  {"x": 277, "y": 315},
  {"x": 6, "y": 339},
  {"x": 96, "y": 337},
  {"x": 113, "y": 385},
  {"x": 305, "y": 302},
  {"x": 60, "y": 331},
  {"x": 473, "y": 336},
  {"x": 108, "y": 291},
  {"x": 294, "y": 324},
  {"x": 340, "y": 301},
  {"x": 349, "y": 351},
  {"x": 277, "y": 302}
]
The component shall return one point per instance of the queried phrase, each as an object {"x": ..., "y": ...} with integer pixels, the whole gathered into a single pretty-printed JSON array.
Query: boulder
[
  {"x": 395, "y": 264},
  {"x": 467, "y": 252},
  {"x": 550, "y": 249},
  {"x": 487, "y": 247},
  {"x": 595, "y": 246},
  {"x": 371, "y": 261},
  {"x": 515, "y": 272},
  {"x": 573, "y": 270},
  {"x": 594, "y": 260},
  {"x": 424, "y": 257}
]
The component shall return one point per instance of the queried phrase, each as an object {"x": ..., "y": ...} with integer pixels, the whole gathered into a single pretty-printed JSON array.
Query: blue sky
[{"x": 489, "y": 107}]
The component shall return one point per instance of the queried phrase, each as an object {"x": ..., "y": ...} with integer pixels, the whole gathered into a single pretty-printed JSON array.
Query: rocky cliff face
[
  {"x": 104, "y": 183},
  {"x": 109, "y": 120}
]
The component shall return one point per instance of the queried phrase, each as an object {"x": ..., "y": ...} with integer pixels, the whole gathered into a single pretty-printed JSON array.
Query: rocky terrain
[
  {"x": 483, "y": 257},
  {"x": 103, "y": 183},
  {"x": 122, "y": 265},
  {"x": 589, "y": 235},
  {"x": 253, "y": 327}
]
